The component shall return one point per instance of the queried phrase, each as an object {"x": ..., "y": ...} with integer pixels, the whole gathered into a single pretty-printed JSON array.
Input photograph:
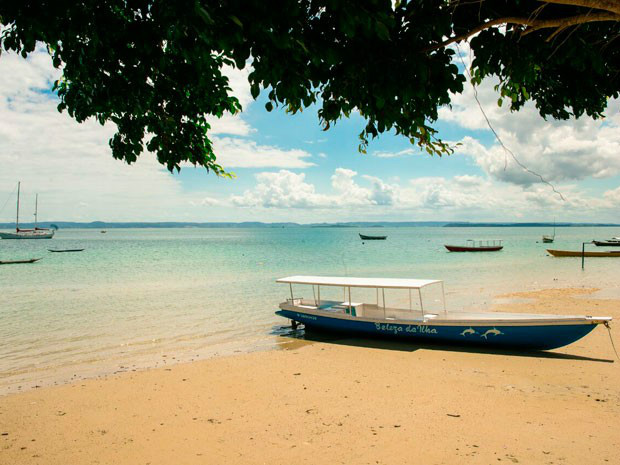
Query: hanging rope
[
  {"x": 606, "y": 323},
  {"x": 7, "y": 200},
  {"x": 506, "y": 149}
]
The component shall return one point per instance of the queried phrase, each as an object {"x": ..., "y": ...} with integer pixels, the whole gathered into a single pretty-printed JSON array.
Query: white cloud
[
  {"x": 401, "y": 153},
  {"x": 285, "y": 189},
  {"x": 205, "y": 202},
  {"x": 464, "y": 197},
  {"x": 282, "y": 189},
  {"x": 71, "y": 166},
  {"x": 557, "y": 150},
  {"x": 235, "y": 124},
  {"x": 381, "y": 193},
  {"x": 245, "y": 153}
]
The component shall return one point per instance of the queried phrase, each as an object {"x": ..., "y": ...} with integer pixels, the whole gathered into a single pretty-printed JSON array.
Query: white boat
[
  {"x": 547, "y": 239},
  {"x": 35, "y": 233},
  {"x": 418, "y": 322}
]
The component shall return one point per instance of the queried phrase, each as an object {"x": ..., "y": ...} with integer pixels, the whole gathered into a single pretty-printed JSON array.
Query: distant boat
[
  {"x": 420, "y": 323},
  {"x": 613, "y": 242},
  {"x": 372, "y": 238},
  {"x": 103, "y": 231},
  {"x": 547, "y": 239},
  {"x": 15, "y": 262},
  {"x": 579, "y": 253},
  {"x": 65, "y": 250},
  {"x": 36, "y": 233},
  {"x": 492, "y": 245}
]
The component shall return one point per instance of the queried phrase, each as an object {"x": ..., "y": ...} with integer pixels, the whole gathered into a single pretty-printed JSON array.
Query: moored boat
[
  {"x": 15, "y": 262},
  {"x": 65, "y": 250},
  {"x": 579, "y": 253},
  {"x": 364, "y": 237},
  {"x": 35, "y": 233},
  {"x": 613, "y": 242},
  {"x": 422, "y": 323},
  {"x": 492, "y": 245},
  {"x": 547, "y": 238}
]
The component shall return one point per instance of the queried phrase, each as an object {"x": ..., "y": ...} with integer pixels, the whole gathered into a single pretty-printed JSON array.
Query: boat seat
[
  {"x": 333, "y": 310},
  {"x": 349, "y": 307}
]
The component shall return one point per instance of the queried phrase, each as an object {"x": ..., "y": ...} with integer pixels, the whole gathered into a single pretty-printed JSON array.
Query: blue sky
[{"x": 288, "y": 169}]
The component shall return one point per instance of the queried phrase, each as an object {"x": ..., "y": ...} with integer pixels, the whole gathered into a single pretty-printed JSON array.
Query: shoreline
[
  {"x": 138, "y": 360},
  {"x": 340, "y": 401}
]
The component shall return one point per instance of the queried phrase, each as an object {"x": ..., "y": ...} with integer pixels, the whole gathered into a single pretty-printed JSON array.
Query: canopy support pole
[
  {"x": 443, "y": 292},
  {"x": 421, "y": 305},
  {"x": 291, "y": 286},
  {"x": 318, "y": 288},
  {"x": 410, "y": 304},
  {"x": 349, "y": 300},
  {"x": 383, "y": 293},
  {"x": 314, "y": 296}
]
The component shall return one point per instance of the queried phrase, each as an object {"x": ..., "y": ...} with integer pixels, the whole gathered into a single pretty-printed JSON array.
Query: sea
[{"x": 141, "y": 298}]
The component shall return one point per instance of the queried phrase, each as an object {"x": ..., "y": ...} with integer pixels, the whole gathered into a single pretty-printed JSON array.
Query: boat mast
[
  {"x": 17, "y": 219},
  {"x": 36, "y": 208}
]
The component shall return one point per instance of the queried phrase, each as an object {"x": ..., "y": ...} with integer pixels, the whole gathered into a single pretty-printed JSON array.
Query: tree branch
[
  {"x": 571, "y": 21},
  {"x": 532, "y": 24},
  {"x": 612, "y": 6}
]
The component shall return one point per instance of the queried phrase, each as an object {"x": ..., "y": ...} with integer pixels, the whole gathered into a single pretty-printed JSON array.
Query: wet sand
[{"x": 341, "y": 401}]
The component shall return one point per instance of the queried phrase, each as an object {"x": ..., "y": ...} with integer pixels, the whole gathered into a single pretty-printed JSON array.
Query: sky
[{"x": 288, "y": 169}]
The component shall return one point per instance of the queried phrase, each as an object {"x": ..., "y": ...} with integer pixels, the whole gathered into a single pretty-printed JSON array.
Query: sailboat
[
  {"x": 547, "y": 238},
  {"x": 35, "y": 233}
]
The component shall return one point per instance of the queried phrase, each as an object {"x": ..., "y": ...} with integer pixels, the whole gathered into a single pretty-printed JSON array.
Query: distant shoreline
[{"x": 257, "y": 224}]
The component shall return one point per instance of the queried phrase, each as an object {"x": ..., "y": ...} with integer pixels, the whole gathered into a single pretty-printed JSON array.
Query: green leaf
[
  {"x": 255, "y": 91},
  {"x": 236, "y": 20},
  {"x": 382, "y": 31},
  {"x": 204, "y": 14}
]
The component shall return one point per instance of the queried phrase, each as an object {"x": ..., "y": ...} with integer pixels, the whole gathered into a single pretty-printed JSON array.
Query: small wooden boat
[
  {"x": 579, "y": 253},
  {"x": 65, "y": 250},
  {"x": 613, "y": 242},
  {"x": 422, "y": 323},
  {"x": 15, "y": 262},
  {"x": 364, "y": 237},
  {"x": 477, "y": 246}
]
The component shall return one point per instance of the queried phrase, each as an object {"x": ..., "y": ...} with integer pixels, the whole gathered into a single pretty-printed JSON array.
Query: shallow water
[{"x": 137, "y": 298}]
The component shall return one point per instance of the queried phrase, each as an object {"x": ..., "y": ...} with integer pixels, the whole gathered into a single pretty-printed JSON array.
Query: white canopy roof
[{"x": 387, "y": 283}]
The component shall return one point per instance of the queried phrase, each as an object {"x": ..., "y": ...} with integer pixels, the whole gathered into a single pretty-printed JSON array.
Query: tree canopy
[{"x": 154, "y": 67}]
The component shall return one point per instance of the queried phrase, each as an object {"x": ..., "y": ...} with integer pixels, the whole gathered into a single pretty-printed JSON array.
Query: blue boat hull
[{"x": 542, "y": 337}]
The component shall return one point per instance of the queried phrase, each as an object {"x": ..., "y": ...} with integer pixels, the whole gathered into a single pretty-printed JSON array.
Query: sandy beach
[{"x": 341, "y": 401}]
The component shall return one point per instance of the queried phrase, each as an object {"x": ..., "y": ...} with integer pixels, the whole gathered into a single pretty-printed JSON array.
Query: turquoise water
[{"x": 144, "y": 297}]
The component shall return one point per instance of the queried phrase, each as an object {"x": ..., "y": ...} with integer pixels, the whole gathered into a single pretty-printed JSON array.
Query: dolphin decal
[
  {"x": 469, "y": 330},
  {"x": 494, "y": 332}
]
